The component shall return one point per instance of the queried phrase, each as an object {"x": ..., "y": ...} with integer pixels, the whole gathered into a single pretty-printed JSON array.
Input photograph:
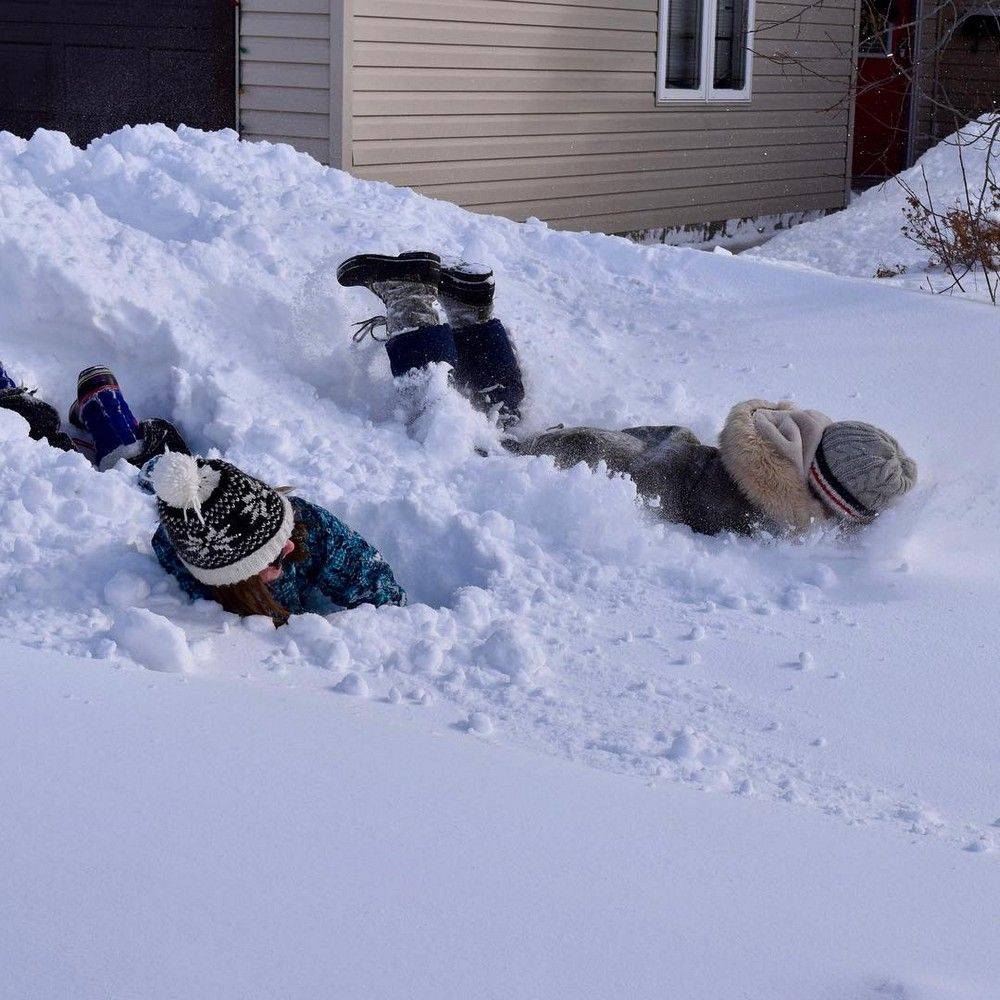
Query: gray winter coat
[{"x": 754, "y": 480}]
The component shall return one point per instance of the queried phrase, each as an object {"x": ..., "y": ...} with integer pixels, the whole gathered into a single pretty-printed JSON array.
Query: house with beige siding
[
  {"x": 607, "y": 115},
  {"x": 610, "y": 115}
]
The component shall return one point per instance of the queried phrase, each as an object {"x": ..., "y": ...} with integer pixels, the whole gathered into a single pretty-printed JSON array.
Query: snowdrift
[
  {"x": 547, "y": 609},
  {"x": 867, "y": 235}
]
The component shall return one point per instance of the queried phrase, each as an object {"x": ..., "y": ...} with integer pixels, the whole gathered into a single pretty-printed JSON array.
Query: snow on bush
[{"x": 203, "y": 271}]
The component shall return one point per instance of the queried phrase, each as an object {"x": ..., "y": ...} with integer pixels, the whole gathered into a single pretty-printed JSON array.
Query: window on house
[
  {"x": 704, "y": 50},
  {"x": 875, "y": 34}
]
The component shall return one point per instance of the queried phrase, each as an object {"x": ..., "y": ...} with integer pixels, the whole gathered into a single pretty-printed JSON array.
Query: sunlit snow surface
[{"x": 548, "y": 609}]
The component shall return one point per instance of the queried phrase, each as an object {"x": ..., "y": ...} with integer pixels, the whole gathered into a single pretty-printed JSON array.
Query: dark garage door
[{"x": 87, "y": 67}]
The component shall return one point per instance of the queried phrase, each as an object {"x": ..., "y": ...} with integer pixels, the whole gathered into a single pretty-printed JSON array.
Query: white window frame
[{"x": 706, "y": 92}]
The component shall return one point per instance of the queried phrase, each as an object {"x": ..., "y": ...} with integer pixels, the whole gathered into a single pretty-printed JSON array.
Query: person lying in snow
[
  {"x": 224, "y": 535},
  {"x": 102, "y": 425},
  {"x": 231, "y": 538},
  {"x": 777, "y": 468}
]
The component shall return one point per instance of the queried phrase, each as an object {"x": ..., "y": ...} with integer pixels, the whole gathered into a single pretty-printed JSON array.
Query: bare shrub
[
  {"x": 890, "y": 270},
  {"x": 963, "y": 239}
]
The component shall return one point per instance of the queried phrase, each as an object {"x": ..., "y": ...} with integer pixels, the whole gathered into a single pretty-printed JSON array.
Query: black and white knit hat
[
  {"x": 859, "y": 470},
  {"x": 224, "y": 525}
]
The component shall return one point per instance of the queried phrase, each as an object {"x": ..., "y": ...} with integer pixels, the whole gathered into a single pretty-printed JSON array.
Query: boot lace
[{"x": 367, "y": 328}]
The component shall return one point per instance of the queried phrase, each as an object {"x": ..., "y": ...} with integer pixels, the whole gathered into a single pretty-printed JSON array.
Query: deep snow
[{"x": 548, "y": 610}]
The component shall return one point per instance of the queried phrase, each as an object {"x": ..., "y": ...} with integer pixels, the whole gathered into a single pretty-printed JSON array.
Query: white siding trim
[
  {"x": 341, "y": 87},
  {"x": 706, "y": 92}
]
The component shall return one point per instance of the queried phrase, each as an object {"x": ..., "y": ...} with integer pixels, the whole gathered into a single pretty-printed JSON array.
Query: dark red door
[
  {"x": 882, "y": 108},
  {"x": 87, "y": 67}
]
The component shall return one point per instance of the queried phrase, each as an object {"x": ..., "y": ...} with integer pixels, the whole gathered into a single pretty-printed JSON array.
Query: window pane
[
  {"x": 875, "y": 36},
  {"x": 731, "y": 44},
  {"x": 683, "y": 69}
]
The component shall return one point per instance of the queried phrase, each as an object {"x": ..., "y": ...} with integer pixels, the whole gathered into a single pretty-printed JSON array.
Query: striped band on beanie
[{"x": 833, "y": 493}]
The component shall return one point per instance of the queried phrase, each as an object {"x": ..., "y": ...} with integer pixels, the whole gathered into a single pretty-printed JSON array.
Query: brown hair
[{"x": 253, "y": 596}]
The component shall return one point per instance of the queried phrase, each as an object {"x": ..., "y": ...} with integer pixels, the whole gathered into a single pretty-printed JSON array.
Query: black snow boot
[
  {"x": 466, "y": 293},
  {"x": 159, "y": 436},
  {"x": 487, "y": 369},
  {"x": 407, "y": 286},
  {"x": 43, "y": 420}
]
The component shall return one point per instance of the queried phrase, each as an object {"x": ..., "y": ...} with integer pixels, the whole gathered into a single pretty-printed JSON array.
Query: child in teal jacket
[{"x": 230, "y": 538}]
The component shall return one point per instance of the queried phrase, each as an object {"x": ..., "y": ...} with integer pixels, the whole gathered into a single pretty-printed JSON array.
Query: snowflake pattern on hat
[{"x": 234, "y": 532}]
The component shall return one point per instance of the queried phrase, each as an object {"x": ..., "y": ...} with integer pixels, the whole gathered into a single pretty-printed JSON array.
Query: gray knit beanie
[{"x": 859, "y": 470}]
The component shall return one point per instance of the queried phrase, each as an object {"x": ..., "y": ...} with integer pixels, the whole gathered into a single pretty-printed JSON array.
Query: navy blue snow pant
[{"x": 482, "y": 358}]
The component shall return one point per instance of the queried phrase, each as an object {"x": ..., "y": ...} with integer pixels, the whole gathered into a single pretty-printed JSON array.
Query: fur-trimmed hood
[{"x": 767, "y": 448}]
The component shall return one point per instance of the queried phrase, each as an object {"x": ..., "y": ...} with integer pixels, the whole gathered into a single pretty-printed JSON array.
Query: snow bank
[
  {"x": 202, "y": 270},
  {"x": 868, "y": 234}
]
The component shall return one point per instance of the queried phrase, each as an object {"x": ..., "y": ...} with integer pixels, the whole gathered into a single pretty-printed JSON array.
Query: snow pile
[
  {"x": 547, "y": 609},
  {"x": 868, "y": 234}
]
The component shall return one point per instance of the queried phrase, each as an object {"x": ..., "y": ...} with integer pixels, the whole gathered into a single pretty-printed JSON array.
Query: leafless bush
[
  {"x": 963, "y": 238},
  {"x": 890, "y": 270}
]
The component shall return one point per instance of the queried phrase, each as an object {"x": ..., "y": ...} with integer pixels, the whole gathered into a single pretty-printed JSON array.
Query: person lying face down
[
  {"x": 776, "y": 468},
  {"x": 228, "y": 537}
]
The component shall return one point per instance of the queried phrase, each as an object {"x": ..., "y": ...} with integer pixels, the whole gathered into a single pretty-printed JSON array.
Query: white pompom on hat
[{"x": 180, "y": 481}]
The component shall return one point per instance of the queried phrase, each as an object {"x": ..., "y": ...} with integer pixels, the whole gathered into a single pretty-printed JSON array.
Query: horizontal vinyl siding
[
  {"x": 524, "y": 109},
  {"x": 285, "y": 73}
]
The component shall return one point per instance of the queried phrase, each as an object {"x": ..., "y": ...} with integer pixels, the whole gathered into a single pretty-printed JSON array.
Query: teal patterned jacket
[{"x": 341, "y": 571}]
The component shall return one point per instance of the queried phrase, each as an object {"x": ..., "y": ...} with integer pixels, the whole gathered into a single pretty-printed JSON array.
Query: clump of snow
[
  {"x": 153, "y": 641},
  {"x": 511, "y": 650},
  {"x": 981, "y": 845},
  {"x": 126, "y": 589},
  {"x": 481, "y": 723},
  {"x": 353, "y": 684},
  {"x": 868, "y": 234},
  {"x": 338, "y": 656}
]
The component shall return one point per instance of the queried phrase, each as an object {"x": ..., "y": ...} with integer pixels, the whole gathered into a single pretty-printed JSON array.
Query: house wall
[
  {"x": 526, "y": 108},
  {"x": 285, "y": 74},
  {"x": 953, "y": 73}
]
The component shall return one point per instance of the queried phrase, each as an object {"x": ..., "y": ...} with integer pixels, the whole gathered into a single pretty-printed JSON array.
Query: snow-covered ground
[
  {"x": 165, "y": 839},
  {"x": 816, "y": 687},
  {"x": 867, "y": 236}
]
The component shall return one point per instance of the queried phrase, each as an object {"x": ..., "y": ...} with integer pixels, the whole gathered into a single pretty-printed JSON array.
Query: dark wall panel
[{"x": 87, "y": 68}]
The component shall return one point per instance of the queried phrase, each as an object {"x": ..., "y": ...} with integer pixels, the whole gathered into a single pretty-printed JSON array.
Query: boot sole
[{"x": 365, "y": 269}]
